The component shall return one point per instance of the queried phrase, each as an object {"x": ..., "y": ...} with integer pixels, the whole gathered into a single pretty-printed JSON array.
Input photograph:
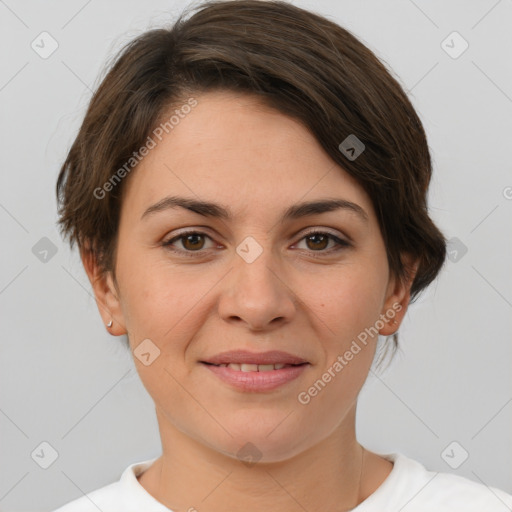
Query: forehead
[{"x": 233, "y": 149}]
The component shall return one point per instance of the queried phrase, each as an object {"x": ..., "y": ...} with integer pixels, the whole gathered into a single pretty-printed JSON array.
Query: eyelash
[{"x": 341, "y": 244}]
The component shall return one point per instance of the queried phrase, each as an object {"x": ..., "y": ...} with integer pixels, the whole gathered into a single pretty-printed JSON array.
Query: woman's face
[{"x": 254, "y": 281}]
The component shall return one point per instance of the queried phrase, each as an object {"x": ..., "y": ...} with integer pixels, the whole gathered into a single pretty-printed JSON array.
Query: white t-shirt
[{"x": 408, "y": 488}]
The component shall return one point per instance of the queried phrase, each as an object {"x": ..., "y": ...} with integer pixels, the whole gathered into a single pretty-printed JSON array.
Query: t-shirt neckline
[{"x": 133, "y": 488}]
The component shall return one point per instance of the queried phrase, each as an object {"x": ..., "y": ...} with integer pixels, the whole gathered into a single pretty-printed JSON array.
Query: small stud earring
[{"x": 109, "y": 324}]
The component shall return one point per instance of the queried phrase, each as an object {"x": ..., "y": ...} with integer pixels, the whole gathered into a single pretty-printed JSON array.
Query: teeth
[
  {"x": 254, "y": 367},
  {"x": 249, "y": 367}
]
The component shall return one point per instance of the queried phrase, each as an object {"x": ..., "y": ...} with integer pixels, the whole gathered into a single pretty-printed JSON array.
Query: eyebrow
[{"x": 296, "y": 211}]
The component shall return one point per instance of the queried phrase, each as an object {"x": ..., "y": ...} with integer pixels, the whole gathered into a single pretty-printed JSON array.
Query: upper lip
[{"x": 246, "y": 357}]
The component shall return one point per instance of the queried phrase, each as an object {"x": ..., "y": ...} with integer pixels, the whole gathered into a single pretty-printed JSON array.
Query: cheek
[
  {"x": 347, "y": 306},
  {"x": 162, "y": 303},
  {"x": 347, "y": 300},
  {"x": 166, "y": 307}
]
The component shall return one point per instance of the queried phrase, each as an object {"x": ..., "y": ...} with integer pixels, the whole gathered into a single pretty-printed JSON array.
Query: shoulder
[
  {"x": 107, "y": 498},
  {"x": 125, "y": 495},
  {"x": 412, "y": 487}
]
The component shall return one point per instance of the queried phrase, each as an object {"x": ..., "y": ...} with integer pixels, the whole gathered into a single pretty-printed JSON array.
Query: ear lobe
[
  {"x": 105, "y": 294},
  {"x": 397, "y": 298}
]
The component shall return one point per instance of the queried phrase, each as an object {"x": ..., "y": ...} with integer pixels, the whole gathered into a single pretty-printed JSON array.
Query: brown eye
[
  {"x": 318, "y": 241},
  {"x": 193, "y": 241}
]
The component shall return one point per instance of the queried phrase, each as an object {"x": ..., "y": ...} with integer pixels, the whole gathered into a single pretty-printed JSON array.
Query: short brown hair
[{"x": 296, "y": 61}]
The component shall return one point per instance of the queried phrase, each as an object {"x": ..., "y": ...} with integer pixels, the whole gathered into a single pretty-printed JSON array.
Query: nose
[{"x": 258, "y": 294}]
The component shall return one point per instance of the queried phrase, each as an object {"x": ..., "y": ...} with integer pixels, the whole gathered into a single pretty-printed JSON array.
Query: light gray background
[{"x": 65, "y": 381}]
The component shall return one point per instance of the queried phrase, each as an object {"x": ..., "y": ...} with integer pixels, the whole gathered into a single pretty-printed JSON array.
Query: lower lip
[{"x": 256, "y": 381}]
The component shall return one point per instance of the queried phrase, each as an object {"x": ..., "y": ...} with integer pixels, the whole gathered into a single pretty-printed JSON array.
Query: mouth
[
  {"x": 256, "y": 372},
  {"x": 253, "y": 367},
  {"x": 248, "y": 361}
]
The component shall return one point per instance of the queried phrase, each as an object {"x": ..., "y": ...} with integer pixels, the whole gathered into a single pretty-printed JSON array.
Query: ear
[
  {"x": 398, "y": 295},
  {"x": 105, "y": 293}
]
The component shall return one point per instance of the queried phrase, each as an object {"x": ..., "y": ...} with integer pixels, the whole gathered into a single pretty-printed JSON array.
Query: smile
[
  {"x": 255, "y": 378},
  {"x": 248, "y": 367}
]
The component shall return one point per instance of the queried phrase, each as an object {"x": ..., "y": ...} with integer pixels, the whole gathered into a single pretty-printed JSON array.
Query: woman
[{"x": 248, "y": 194}]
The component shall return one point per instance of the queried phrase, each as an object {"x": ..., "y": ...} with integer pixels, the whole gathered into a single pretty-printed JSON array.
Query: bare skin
[{"x": 300, "y": 295}]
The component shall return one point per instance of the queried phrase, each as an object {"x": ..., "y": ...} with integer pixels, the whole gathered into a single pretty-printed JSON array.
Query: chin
[{"x": 263, "y": 439}]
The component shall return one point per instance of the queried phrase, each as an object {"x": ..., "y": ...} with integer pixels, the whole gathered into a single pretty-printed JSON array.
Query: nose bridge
[
  {"x": 256, "y": 292},
  {"x": 256, "y": 264}
]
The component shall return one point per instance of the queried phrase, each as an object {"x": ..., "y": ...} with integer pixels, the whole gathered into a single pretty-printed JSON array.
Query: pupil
[
  {"x": 189, "y": 237},
  {"x": 311, "y": 237}
]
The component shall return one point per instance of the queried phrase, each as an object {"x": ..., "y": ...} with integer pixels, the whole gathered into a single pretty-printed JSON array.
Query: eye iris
[
  {"x": 194, "y": 236},
  {"x": 323, "y": 243}
]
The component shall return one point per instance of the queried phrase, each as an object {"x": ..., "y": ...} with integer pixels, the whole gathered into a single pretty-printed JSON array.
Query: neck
[{"x": 191, "y": 475}]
